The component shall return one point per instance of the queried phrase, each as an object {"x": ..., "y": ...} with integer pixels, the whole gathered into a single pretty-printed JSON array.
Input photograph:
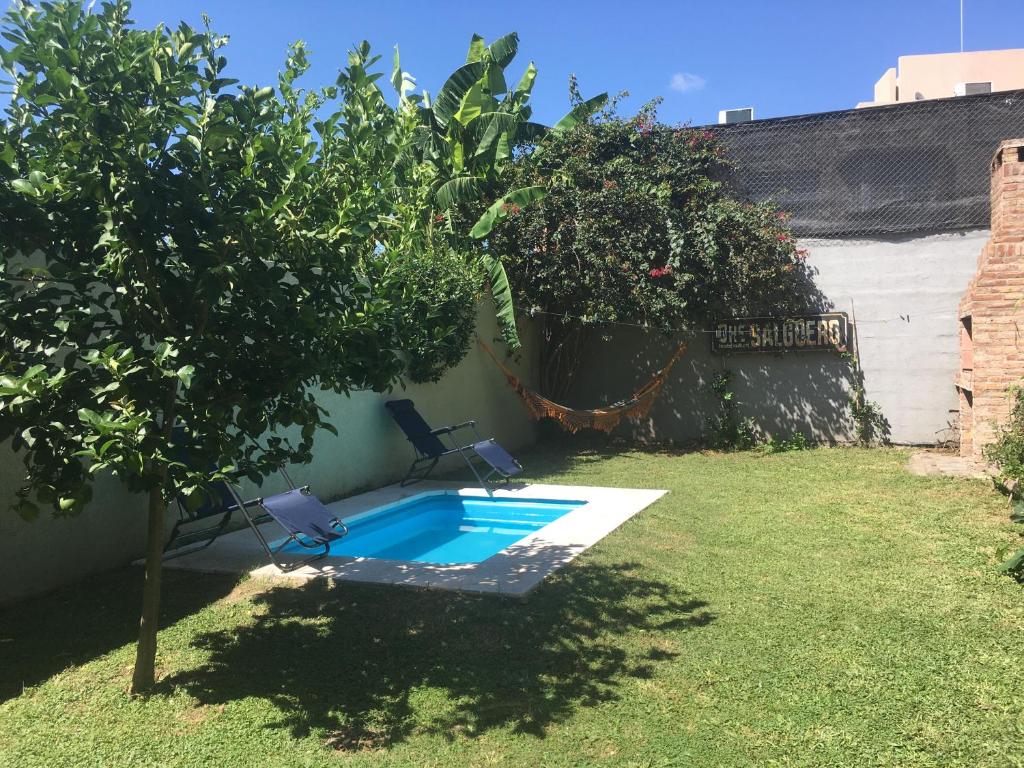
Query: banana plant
[{"x": 469, "y": 133}]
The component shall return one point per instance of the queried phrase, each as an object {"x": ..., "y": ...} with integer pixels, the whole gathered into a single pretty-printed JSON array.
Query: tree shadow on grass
[
  {"x": 369, "y": 666},
  {"x": 41, "y": 636}
]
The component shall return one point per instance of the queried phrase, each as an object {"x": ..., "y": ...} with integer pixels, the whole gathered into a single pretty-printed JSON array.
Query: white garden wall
[{"x": 903, "y": 293}]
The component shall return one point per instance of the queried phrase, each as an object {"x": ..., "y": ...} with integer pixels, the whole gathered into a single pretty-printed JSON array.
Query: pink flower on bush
[
  {"x": 661, "y": 271},
  {"x": 645, "y": 125}
]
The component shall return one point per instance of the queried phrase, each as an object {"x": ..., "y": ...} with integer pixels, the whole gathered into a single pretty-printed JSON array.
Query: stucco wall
[
  {"x": 903, "y": 294},
  {"x": 369, "y": 451},
  {"x": 934, "y": 76}
]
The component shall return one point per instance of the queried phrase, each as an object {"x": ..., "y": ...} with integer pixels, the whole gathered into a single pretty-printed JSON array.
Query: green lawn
[{"x": 813, "y": 608}]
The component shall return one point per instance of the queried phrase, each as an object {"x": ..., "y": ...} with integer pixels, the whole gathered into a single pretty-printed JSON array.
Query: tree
[
  {"x": 431, "y": 288},
  {"x": 470, "y": 134},
  {"x": 635, "y": 229},
  {"x": 173, "y": 257}
]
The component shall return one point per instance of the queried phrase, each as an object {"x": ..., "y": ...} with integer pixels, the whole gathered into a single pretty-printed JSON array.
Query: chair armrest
[
  {"x": 339, "y": 524},
  {"x": 453, "y": 428}
]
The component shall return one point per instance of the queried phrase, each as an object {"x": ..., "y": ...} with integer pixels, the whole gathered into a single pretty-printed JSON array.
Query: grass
[{"x": 811, "y": 608}]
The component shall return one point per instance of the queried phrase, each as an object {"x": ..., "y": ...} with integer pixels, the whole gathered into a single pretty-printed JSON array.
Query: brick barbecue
[{"x": 992, "y": 310}]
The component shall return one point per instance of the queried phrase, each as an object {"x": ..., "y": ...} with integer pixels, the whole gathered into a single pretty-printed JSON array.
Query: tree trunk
[{"x": 145, "y": 654}]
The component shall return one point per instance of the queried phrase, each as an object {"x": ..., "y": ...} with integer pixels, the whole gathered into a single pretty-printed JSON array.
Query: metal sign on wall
[{"x": 827, "y": 332}]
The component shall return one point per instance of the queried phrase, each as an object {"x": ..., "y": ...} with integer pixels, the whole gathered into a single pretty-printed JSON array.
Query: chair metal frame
[
  {"x": 186, "y": 519},
  {"x": 215, "y": 506},
  {"x": 422, "y": 458}
]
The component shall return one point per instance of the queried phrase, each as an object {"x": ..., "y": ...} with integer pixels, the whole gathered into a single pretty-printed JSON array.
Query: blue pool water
[{"x": 444, "y": 529}]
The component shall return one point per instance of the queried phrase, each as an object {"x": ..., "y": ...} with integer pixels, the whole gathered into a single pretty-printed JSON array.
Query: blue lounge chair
[
  {"x": 430, "y": 449},
  {"x": 305, "y": 520}
]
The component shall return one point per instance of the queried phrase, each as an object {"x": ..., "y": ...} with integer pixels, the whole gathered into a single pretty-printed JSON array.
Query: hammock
[{"x": 575, "y": 419}]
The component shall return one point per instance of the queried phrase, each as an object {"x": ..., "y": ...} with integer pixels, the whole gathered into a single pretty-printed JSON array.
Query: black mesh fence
[{"x": 919, "y": 166}]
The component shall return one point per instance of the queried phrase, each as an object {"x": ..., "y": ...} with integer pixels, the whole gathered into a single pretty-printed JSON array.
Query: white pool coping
[{"x": 514, "y": 571}]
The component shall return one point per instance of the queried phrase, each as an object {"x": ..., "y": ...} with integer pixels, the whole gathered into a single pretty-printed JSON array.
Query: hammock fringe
[{"x": 603, "y": 419}]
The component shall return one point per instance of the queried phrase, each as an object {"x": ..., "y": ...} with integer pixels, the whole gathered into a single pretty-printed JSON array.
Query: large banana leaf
[
  {"x": 530, "y": 133},
  {"x": 432, "y": 146},
  {"x": 477, "y": 49},
  {"x": 504, "y": 49},
  {"x": 487, "y": 128},
  {"x": 458, "y": 156},
  {"x": 501, "y": 292},
  {"x": 521, "y": 93},
  {"x": 402, "y": 82},
  {"x": 502, "y": 149},
  {"x": 460, "y": 190},
  {"x": 1012, "y": 565},
  {"x": 476, "y": 102},
  {"x": 579, "y": 113},
  {"x": 449, "y": 98},
  {"x": 495, "y": 80},
  {"x": 519, "y": 198},
  {"x": 396, "y": 71}
]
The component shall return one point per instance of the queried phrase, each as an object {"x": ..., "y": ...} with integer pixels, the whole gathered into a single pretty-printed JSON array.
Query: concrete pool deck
[{"x": 514, "y": 571}]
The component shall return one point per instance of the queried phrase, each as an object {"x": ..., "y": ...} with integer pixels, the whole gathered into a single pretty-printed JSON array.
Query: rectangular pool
[{"x": 446, "y": 528}]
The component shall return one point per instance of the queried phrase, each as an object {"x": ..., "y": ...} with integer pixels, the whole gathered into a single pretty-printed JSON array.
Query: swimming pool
[{"x": 446, "y": 528}]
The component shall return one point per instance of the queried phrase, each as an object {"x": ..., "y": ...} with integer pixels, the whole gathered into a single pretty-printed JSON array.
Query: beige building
[{"x": 940, "y": 75}]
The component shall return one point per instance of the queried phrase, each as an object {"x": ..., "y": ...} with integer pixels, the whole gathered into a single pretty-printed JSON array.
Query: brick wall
[{"x": 992, "y": 310}]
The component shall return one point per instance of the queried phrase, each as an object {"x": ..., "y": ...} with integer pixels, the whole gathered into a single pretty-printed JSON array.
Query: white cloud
[{"x": 686, "y": 81}]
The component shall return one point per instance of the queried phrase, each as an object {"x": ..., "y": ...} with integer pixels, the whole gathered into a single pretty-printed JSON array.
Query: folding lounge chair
[
  {"x": 430, "y": 449},
  {"x": 304, "y": 518}
]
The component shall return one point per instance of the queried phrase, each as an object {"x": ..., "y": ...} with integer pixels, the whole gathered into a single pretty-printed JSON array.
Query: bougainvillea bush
[{"x": 637, "y": 228}]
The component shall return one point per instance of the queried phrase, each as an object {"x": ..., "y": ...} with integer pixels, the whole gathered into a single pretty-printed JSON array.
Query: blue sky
[{"x": 782, "y": 57}]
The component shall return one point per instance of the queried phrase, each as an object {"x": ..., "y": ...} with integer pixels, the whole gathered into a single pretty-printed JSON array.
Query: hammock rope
[{"x": 575, "y": 419}]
